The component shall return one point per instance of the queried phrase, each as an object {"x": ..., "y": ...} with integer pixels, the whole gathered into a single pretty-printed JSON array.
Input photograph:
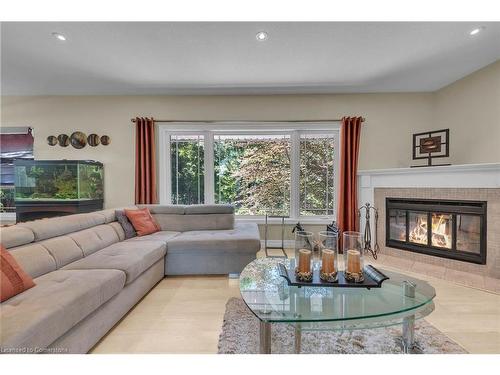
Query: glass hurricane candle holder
[
  {"x": 329, "y": 256},
  {"x": 316, "y": 253},
  {"x": 352, "y": 245},
  {"x": 304, "y": 255}
]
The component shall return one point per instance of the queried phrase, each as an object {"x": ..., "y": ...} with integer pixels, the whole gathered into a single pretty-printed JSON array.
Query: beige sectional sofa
[{"x": 88, "y": 276}]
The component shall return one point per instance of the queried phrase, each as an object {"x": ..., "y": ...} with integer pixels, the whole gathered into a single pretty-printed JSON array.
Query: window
[
  {"x": 187, "y": 166},
  {"x": 253, "y": 173},
  {"x": 279, "y": 170},
  {"x": 317, "y": 183}
]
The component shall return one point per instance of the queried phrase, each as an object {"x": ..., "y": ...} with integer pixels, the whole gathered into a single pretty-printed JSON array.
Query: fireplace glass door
[
  {"x": 418, "y": 227},
  {"x": 469, "y": 233},
  {"x": 441, "y": 235},
  {"x": 397, "y": 225}
]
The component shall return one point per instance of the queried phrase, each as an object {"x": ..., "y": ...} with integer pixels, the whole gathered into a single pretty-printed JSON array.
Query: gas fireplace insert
[{"x": 446, "y": 228}]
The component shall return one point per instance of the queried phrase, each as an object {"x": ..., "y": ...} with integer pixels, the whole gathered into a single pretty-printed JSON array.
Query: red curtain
[
  {"x": 145, "y": 161},
  {"x": 348, "y": 196}
]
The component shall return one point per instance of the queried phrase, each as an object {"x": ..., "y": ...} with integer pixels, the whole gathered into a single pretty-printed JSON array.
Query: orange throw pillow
[
  {"x": 142, "y": 221},
  {"x": 13, "y": 279}
]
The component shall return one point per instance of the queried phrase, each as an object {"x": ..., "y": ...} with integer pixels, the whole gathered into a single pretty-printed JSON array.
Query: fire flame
[{"x": 439, "y": 236}]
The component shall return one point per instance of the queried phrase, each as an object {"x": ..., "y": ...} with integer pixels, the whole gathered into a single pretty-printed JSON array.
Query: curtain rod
[{"x": 248, "y": 121}]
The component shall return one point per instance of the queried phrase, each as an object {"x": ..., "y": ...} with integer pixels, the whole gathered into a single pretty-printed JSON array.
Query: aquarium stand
[{"x": 40, "y": 209}]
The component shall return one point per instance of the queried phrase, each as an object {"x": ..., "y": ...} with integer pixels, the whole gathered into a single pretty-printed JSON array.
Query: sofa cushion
[
  {"x": 95, "y": 238},
  {"x": 118, "y": 229},
  {"x": 109, "y": 215},
  {"x": 34, "y": 259},
  {"x": 183, "y": 223},
  {"x": 58, "y": 226},
  {"x": 244, "y": 238},
  {"x": 60, "y": 299},
  {"x": 63, "y": 249},
  {"x": 128, "y": 228},
  {"x": 131, "y": 257},
  {"x": 142, "y": 221},
  {"x": 197, "y": 209},
  {"x": 16, "y": 236},
  {"x": 13, "y": 279},
  {"x": 171, "y": 209},
  {"x": 164, "y": 236}
]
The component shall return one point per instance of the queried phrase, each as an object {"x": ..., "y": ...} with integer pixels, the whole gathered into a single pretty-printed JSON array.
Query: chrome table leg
[
  {"x": 298, "y": 338},
  {"x": 408, "y": 338},
  {"x": 265, "y": 337}
]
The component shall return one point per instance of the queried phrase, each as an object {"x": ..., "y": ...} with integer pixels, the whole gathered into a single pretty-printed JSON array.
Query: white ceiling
[{"x": 226, "y": 58}]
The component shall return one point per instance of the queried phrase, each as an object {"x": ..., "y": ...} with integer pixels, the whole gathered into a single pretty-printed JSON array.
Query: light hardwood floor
[{"x": 184, "y": 315}]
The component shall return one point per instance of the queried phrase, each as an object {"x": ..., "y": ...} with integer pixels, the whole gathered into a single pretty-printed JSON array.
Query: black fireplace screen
[{"x": 444, "y": 228}]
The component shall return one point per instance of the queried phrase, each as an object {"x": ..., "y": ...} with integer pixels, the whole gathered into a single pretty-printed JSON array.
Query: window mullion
[
  {"x": 336, "y": 172},
  {"x": 295, "y": 175},
  {"x": 165, "y": 168},
  {"x": 209, "y": 168},
  {"x": 176, "y": 170},
  {"x": 198, "y": 167}
]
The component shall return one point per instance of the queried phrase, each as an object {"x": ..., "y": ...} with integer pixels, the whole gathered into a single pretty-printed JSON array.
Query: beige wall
[
  {"x": 386, "y": 140},
  {"x": 386, "y": 136},
  {"x": 470, "y": 107}
]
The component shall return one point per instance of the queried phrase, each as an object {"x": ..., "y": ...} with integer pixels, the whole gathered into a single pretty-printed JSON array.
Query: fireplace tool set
[{"x": 368, "y": 232}]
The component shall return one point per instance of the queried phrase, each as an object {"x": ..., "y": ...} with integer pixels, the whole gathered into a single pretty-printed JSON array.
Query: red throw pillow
[
  {"x": 13, "y": 279},
  {"x": 142, "y": 221}
]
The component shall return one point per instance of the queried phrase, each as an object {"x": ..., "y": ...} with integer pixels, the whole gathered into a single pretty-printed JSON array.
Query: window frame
[{"x": 209, "y": 130}]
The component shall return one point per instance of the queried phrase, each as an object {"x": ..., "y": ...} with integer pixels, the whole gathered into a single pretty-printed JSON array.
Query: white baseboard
[{"x": 289, "y": 244}]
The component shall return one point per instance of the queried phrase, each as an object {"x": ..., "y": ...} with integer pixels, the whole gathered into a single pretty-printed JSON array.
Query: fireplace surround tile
[
  {"x": 404, "y": 264},
  {"x": 466, "y": 278},
  {"x": 429, "y": 269},
  {"x": 492, "y": 284}
]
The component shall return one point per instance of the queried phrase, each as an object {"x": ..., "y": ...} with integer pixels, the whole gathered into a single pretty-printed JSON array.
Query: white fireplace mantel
[{"x": 452, "y": 176}]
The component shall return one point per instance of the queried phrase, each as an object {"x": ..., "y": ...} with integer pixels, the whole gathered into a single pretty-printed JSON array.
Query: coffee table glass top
[{"x": 270, "y": 298}]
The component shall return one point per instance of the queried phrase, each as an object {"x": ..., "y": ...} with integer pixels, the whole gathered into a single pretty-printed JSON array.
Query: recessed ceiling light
[
  {"x": 477, "y": 30},
  {"x": 59, "y": 36},
  {"x": 261, "y": 36}
]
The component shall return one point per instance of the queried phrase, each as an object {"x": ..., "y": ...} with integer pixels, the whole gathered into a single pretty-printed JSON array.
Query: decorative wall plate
[
  {"x": 431, "y": 145},
  {"x": 52, "y": 140},
  {"x": 93, "y": 140},
  {"x": 105, "y": 140},
  {"x": 63, "y": 140},
  {"x": 78, "y": 140}
]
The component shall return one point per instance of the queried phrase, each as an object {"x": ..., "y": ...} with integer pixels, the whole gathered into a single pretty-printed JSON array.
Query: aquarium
[
  {"x": 58, "y": 180},
  {"x": 47, "y": 188}
]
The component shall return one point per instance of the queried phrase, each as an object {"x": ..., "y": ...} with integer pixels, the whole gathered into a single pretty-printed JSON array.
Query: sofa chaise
[{"x": 88, "y": 276}]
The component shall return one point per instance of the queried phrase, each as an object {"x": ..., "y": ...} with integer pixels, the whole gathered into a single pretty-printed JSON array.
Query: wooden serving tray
[{"x": 373, "y": 278}]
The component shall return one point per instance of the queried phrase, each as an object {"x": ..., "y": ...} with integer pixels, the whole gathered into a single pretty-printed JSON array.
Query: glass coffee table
[{"x": 401, "y": 300}]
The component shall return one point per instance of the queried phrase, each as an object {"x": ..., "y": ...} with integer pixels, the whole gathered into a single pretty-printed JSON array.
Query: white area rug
[{"x": 240, "y": 335}]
